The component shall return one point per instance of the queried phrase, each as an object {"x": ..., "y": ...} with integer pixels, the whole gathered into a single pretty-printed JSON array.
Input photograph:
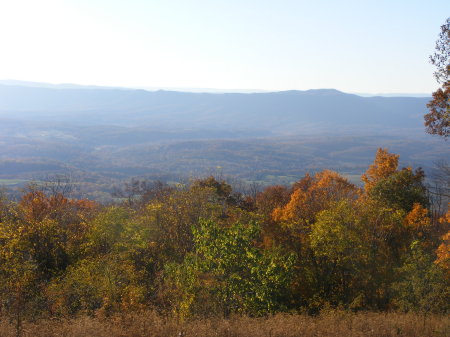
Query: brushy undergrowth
[{"x": 332, "y": 324}]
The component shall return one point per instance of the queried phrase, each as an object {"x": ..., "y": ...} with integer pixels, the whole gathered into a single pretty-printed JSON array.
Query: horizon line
[{"x": 70, "y": 85}]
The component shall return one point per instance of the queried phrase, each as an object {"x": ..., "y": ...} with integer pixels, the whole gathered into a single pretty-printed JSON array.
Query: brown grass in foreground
[{"x": 332, "y": 324}]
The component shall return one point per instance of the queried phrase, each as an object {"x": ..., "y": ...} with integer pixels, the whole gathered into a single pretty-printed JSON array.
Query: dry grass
[{"x": 331, "y": 324}]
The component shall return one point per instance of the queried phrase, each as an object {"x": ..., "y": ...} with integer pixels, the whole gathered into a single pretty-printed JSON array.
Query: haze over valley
[{"x": 104, "y": 136}]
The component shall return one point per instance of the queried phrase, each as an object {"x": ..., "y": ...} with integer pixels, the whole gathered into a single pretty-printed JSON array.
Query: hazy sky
[{"x": 354, "y": 46}]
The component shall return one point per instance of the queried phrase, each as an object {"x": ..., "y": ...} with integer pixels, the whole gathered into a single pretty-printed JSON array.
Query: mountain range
[{"x": 285, "y": 112}]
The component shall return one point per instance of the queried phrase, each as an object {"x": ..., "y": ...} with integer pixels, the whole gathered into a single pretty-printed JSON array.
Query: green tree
[
  {"x": 239, "y": 276},
  {"x": 401, "y": 189},
  {"x": 341, "y": 253},
  {"x": 422, "y": 285}
]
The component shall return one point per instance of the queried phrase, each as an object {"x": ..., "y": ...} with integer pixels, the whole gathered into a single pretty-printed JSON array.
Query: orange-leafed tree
[
  {"x": 37, "y": 206},
  {"x": 419, "y": 225},
  {"x": 384, "y": 165},
  {"x": 52, "y": 228},
  {"x": 443, "y": 251},
  {"x": 313, "y": 194},
  {"x": 418, "y": 219}
]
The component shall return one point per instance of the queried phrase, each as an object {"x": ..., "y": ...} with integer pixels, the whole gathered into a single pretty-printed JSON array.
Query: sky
[{"x": 353, "y": 46}]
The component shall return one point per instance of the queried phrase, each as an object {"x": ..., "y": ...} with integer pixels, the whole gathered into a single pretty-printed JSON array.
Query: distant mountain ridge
[
  {"x": 182, "y": 89},
  {"x": 284, "y": 112}
]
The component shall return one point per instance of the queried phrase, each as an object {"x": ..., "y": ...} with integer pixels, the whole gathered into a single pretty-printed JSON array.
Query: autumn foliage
[
  {"x": 384, "y": 165},
  {"x": 202, "y": 249},
  {"x": 443, "y": 251},
  {"x": 313, "y": 194},
  {"x": 437, "y": 121}
]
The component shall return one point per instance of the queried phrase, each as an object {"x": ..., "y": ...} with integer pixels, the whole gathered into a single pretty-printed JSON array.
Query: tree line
[{"x": 203, "y": 249}]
